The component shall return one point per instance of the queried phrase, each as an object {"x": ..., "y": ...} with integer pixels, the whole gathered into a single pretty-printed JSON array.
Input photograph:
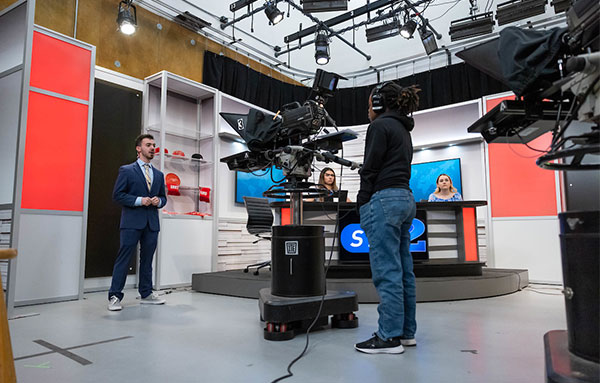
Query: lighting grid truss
[
  {"x": 515, "y": 10},
  {"x": 328, "y": 24}
]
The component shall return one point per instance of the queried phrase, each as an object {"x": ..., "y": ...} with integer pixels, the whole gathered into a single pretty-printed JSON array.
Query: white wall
[
  {"x": 13, "y": 28},
  {"x": 10, "y": 99},
  {"x": 226, "y": 179},
  {"x": 530, "y": 243},
  {"x": 445, "y": 124}
]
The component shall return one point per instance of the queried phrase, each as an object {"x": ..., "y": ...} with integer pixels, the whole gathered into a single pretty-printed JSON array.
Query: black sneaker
[{"x": 376, "y": 345}]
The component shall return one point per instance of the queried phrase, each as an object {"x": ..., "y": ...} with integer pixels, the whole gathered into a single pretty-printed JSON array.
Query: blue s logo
[{"x": 354, "y": 240}]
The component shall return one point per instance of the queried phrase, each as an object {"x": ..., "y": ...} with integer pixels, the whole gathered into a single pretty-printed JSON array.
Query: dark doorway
[{"x": 117, "y": 122}]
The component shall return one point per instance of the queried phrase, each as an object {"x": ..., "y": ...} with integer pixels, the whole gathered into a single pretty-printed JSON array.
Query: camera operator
[{"x": 387, "y": 209}]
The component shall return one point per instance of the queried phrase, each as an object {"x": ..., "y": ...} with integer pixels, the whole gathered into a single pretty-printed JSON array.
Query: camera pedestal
[
  {"x": 298, "y": 286},
  {"x": 562, "y": 366},
  {"x": 287, "y": 316}
]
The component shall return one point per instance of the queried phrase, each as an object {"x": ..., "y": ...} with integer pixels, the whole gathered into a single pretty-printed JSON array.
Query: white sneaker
[
  {"x": 114, "y": 304},
  {"x": 152, "y": 299},
  {"x": 408, "y": 341}
]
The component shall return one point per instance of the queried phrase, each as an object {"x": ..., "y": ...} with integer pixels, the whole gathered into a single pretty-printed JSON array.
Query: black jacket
[{"x": 388, "y": 154}]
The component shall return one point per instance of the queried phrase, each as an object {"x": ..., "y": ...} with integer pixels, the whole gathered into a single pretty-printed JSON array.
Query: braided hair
[{"x": 401, "y": 99}]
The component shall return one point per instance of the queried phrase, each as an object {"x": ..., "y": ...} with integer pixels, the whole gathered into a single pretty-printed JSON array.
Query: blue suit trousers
[{"x": 129, "y": 239}]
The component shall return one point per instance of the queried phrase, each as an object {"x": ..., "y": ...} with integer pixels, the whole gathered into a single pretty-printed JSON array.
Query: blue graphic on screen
[
  {"x": 354, "y": 240},
  {"x": 254, "y": 184},
  {"x": 424, "y": 175}
]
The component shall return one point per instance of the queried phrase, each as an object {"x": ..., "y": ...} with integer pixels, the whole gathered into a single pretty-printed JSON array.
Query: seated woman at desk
[
  {"x": 327, "y": 179},
  {"x": 444, "y": 191}
]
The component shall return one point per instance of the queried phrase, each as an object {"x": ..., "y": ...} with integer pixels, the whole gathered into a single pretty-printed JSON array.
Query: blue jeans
[{"x": 386, "y": 220}]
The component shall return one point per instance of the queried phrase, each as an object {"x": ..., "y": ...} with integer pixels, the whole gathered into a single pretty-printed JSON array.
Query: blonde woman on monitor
[{"x": 444, "y": 191}]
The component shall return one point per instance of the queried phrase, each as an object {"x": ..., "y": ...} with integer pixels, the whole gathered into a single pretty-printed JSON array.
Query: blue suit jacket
[{"x": 131, "y": 183}]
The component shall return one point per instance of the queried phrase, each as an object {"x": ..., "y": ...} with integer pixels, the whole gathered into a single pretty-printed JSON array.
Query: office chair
[{"x": 260, "y": 221}]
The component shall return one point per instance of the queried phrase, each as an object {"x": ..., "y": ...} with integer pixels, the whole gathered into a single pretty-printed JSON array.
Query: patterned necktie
[{"x": 147, "y": 174}]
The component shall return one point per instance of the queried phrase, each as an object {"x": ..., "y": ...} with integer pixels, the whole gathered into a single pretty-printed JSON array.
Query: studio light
[
  {"x": 322, "y": 47},
  {"x": 240, "y": 4},
  {"x": 514, "y": 10},
  {"x": 383, "y": 31},
  {"x": 191, "y": 21},
  {"x": 471, "y": 26},
  {"x": 127, "y": 20},
  {"x": 428, "y": 40},
  {"x": 560, "y": 5},
  {"x": 273, "y": 13},
  {"x": 311, "y": 6},
  {"x": 408, "y": 29}
]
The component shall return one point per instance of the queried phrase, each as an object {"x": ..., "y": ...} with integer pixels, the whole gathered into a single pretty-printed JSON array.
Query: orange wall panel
[
  {"x": 55, "y": 154},
  {"x": 60, "y": 67},
  {"x": 470, "y": 234},
  {"x": 518, "y": 187}
]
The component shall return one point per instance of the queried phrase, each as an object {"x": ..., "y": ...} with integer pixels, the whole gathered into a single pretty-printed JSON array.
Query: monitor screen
[
  {"x": 424, "y": 175},
  {"x": 254, "y": 184}
]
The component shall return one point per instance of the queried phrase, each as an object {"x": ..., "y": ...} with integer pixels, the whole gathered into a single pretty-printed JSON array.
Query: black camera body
[{"x": 290, "y": 142}]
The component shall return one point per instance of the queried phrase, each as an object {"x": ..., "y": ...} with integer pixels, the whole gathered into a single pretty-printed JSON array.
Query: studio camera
[
  {"x": 291, "y": 139},
  {"x": 555, "y": 76}
]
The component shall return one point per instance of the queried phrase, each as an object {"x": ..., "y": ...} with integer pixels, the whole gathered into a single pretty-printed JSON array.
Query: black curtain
[{"x": 441, "y": 86}]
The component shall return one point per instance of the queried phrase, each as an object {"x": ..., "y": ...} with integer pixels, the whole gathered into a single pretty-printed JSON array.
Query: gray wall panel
[
  {"x": 10, "y": 98},
  {"x": 13, "y": 29},
  {"x": 49, "y": 257}
]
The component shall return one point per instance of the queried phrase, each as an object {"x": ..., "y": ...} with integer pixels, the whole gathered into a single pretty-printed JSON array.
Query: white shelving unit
[{"x": 182, "y": 115}]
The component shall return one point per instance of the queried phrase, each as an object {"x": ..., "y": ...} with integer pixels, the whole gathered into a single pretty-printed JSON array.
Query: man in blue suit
[{"x": 140, "y": 190}]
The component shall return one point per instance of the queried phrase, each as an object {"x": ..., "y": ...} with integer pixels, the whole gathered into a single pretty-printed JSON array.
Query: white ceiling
[{"x": 344, "y": 59}]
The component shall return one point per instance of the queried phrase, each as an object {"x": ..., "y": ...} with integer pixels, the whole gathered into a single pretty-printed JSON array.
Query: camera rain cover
[{"x": 257, "y": 129}]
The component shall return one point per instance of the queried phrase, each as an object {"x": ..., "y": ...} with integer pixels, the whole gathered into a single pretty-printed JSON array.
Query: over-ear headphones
[{"x": 378, "y": 99}]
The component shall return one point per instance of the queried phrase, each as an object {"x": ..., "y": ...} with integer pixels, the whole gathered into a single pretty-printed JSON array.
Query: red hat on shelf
[
  {"x": 173, "y": 182},
  {"x": 179, "y": 153},
  {"x": 157, "y": 150},
  {"x": 204, "y": 194}
]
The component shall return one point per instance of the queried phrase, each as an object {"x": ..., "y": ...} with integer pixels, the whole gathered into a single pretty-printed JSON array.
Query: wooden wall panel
[
  {"x": 58, "y": 13},
  {"x": 144, "y": 53},
  {"x": 6, "y": 3},
  {"x": 176, "y": 54},
  {"x": 137, "y": 54}
]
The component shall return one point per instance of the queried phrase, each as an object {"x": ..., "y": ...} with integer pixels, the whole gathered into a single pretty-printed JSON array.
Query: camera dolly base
[{"x": 287, "y": 316}]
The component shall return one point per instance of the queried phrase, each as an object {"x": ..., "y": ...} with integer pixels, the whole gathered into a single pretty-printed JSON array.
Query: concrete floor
[{"x": 208, "y": 338}]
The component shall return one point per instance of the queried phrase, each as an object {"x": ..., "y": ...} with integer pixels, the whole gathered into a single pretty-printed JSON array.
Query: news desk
[{"x": 444, "y": 240}]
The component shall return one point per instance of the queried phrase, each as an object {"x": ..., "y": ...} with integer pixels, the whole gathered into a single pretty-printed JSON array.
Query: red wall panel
[
  {"x": 518, "y": 187},
  {"x": 55, "y": 154},
  {"x": 60, "y": 67}
]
